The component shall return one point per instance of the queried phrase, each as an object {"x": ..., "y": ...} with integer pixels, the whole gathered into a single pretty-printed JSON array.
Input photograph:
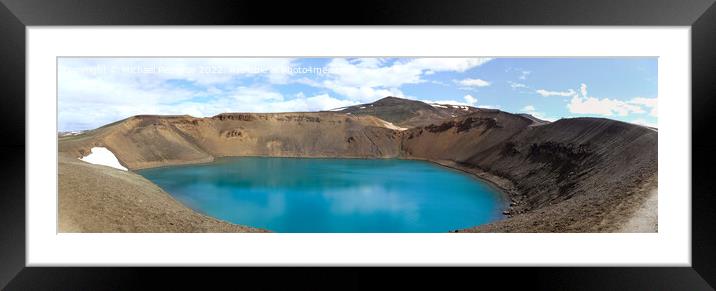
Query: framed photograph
[{"x": 476, "y": 134}]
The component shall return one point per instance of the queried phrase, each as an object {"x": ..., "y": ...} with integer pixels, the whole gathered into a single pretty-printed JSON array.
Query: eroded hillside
[
  {"x": 596, "y": 163},
  {"x": 150, "y": 141}
]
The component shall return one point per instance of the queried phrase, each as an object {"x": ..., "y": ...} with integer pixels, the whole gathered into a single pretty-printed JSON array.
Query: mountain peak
[
  {"x": 392, "y": 100},
  {"x": 406, "y": 112}
]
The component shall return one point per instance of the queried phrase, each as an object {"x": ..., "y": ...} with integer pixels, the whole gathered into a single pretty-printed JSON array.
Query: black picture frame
[{"x": 16, "y": 15}]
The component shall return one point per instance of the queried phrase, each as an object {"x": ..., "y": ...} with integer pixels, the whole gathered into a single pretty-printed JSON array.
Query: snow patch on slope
[
  {"x": 103, "y": 156},
  {"x": 393, "y": 126},
  {"x": 71, "y": 133}
]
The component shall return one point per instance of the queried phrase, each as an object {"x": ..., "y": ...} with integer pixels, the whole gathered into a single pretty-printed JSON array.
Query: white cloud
[
  {"x": 368, "y": 79},
  {"x": 93, "y": 92},
  {"x": 605, "y": 106},
  {"x": 351, "y": 73},
  {"x": 473, "y": 82},
  {"x": 362, "y": 93},
  {"x": 253, "y": 95},
  {"x": 515, "y": 85},
  {"x": 524, "y": 74},
  {"x": 325, "y": 102},
  {"x": 647, "y": 102},
  {"x": 267, "y": 100},
  {"x": 582, "y": 103},
  {"x": 531, "y": 110},
  {"x": 368, "y": 62},
  {"x": 469, "y": 99},
  {"x": 445, "y": 64},
  {"x": 644, "y": 122},
  {"x": 583, "y": 89},
  {"x": 546, "y": 93},
  {"x": 314, "y": 103},
  {"x": 345, "y": 73},
  {"x": 203, "y": 71}
]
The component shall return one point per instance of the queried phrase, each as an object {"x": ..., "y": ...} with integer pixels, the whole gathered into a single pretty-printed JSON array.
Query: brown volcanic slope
[
  {"x": 151, "y": 141},
  {"x": 96, "y": 198},
  {"x": 408, "y": 113},
  {"x": 572, "y": 175},
  {"x": 581, "y": 174},
  {"x": 535, "y": 120}
]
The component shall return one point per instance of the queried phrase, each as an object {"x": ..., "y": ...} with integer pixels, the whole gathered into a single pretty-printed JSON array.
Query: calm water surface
[{"x": 332, "y": 195}]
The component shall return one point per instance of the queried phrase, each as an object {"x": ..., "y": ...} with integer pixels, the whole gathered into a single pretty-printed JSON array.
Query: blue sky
[{"x": 96, "y": 91}]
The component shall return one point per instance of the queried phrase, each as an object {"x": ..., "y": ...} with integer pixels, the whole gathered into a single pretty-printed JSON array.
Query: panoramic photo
[{"x": 357, "y": 145}]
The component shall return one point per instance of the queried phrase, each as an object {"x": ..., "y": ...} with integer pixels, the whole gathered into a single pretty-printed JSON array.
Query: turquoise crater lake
[{"x": 332, "y": 195}]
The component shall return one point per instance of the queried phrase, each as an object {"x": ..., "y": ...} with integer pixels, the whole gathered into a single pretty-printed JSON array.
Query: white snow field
[{"x": 103, "y": 156}]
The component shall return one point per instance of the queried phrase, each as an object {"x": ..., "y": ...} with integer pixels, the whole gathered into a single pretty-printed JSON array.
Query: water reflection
[{"x": 332, "y": 195}]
